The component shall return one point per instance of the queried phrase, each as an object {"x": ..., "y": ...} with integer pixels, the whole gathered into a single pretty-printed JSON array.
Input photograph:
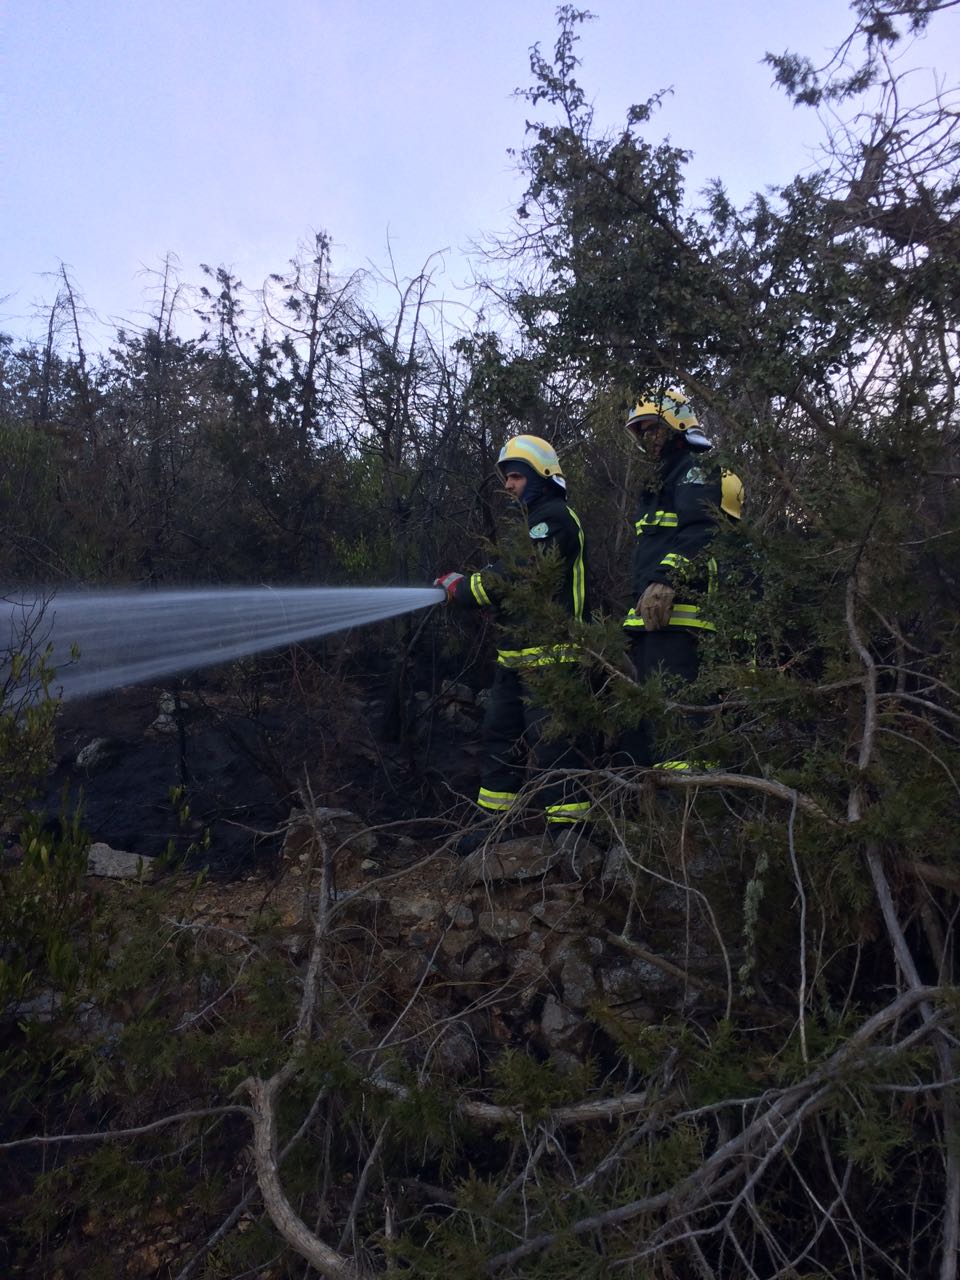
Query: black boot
[{"x": 490, "y": 830}]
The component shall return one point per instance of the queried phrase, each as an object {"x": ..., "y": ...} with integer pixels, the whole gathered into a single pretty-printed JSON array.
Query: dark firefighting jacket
[
  {"x": 676, "y": 523},
  {"x": 553, "y": 527}
]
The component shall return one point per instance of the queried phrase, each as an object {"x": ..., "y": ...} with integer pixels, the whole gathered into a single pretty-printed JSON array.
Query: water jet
[{"x": 102, "y": 640}]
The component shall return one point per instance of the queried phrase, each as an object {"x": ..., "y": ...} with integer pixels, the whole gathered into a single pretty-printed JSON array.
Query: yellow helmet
[
  {"x": 671, "y": 409},
  {"x": 536, "y": 453},
  {"x": 731, "y": 494}
]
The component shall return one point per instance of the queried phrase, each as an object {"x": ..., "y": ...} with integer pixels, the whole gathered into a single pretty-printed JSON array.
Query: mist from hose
[{"x": 107, "y": 639}]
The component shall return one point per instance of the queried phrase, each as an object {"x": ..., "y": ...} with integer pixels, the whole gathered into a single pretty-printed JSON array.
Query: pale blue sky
[{"x": 225, "y": 131}]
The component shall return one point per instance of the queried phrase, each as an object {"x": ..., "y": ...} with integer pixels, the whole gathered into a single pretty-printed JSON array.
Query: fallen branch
[
  {"x": 767, "y": 1131},
  {"x": 623, "y": 1104},
  {"x": 626, "y": 779},
  {"x": 264, "y": 1094},
  {"x": 931, "y": 874},
  {"x": 114, "y": 1135},
  {"x": 665, "y": 966},
  {"x": 237, "y": 1211}
]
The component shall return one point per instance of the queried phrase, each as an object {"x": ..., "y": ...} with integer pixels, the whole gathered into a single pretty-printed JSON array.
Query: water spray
[{"x": 105, "y": 640}]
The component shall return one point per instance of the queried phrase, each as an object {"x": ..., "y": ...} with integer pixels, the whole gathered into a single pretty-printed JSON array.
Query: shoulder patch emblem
[
  {"x": 695, "y": 475},
  {"x": 539, "y": 530}
]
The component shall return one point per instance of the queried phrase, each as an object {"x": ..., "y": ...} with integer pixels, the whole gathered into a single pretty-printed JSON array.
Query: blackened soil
[{"x": 215, "y": 789}]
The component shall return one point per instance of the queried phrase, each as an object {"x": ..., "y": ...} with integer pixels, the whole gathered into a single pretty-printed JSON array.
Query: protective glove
[
  {"x": 448, "y": 582},
  {"x": 654, "y": 606}
]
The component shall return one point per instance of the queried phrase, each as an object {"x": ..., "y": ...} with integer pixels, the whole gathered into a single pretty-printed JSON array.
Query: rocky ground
[
  {"x": 211, "y": 777},
  {"x": 292, "y": 800}
]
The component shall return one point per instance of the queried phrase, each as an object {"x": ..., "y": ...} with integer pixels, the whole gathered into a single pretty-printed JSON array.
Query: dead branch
[
  {"x": 769, "y": 1128},
  {"x": 237, "y": 1212},
  {"x": 489, "y": 1113},
  {"x": 361, "y": 1191},
  {"x": 901, "y": 949},
  {"x": 114, "y": 1135},
  {"x": 666, "y": 966},
  {"x": 264, "y": 1094},
  {"x": 627, "y": 779}
]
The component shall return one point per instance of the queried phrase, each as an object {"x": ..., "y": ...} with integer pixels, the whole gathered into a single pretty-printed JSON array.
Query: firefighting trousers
[
  {"x": 513, "y": 727},
  {"x": 674, "y": 654}
]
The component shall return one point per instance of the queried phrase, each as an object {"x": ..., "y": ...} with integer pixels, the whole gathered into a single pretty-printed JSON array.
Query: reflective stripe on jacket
[
  {"x": 675, "y": 524},
  {"x": 552, "y": 526}
]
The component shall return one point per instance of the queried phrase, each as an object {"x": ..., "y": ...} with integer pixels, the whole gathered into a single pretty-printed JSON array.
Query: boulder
[
  {"x": 165, "y": 723},
  {"x": 482, "y": 963},
  {"x": 638, "y": 979},
  {"x": 413, "y": 911},
  {"x": 511, "y": 860},
  {"x": 117, "y": 864},
  {"x": 97, "y": 753},
  {"x": 339, "y": 826},
  {"x": 558, "y": 1024},
  {"x": 500, "y": 926},
  {"x": 577, "y": 981},
  {"x": 565, "y": 915},
  {"x": 453, "y": 691},
  {"x": 579, "y": 856}
]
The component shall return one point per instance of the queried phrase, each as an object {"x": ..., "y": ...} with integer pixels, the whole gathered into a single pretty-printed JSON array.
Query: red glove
[{"x": 448, "y": 583}]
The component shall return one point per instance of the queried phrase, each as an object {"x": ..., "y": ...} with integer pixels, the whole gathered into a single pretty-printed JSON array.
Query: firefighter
[
  {"x": 674, "y": 574},
  {"x": 531, "y": 474}
]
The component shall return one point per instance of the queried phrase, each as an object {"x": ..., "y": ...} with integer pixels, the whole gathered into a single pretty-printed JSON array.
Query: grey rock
[
  {"x": 502, "y": 925},
  {"x": 566, "y": 1063},
  {"x": 338, "y": 826},
  {"x": 460, "y": 916},
  {"x": 578, "y": 982},
  {"x": 453, "y": 942},
  {"x": 579, "y": 856},
  {"x": 482, "y": 963},
  {"x": 536, "y": 939},
  {"x": 424, "y": 941},
  {"x": 167, "y": 703},
  {"x": 403, "y": 967},
  {"x": 165, "y": 724},
  {"x": 510, "y": 861},
  {"x": 564, "y": 916},
  {"x": 637, "y": 979},
  {"x": 620, "y": 983},
  {"x": 93, "y": 1024},
  {"x": 457, "y": 692},
  {"x": 558, "y": 1023},
  {"x": 117, "y": 864},
  {"x": 413, "y": 911},
  {"x": 98, "y": 752},
  {"x": 365, "y": 906},
  {"x": 526, "y": 965},
  {"x": 40, "y": 1008},
  {"x": 617, "y": 871},
  {"x": 457, "y": 1051},
  {"x": 458, "y": 719}
]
